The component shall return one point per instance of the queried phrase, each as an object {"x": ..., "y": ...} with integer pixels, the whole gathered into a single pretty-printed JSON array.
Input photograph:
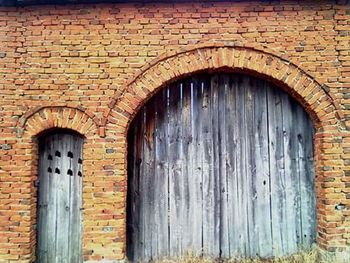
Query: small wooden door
[
  {"x": 220, "y": 165},
  {"x": 60, "y": 199}
]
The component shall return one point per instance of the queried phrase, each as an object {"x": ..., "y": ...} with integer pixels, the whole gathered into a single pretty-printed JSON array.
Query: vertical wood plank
[
  {"x": 72, "y": 197},
  {"x": 151, "y": 245},
  {"x": 52, "y": 205},
  {"x": 45, "y": 171},
  {"x": 196, "y": 155},
  {"x": 75, "y": 217},
  {"x": 276, "y": 163},
  {"x": 175, "y": 169},
  {"x": 222, "y": 165},
  {"x": 134, "y": 251},
  {"x": 62, "y": 195},
  {"x": 208, "y": 180},
  {"x": 260, "y": 173},
  {"x": 188, "y": 183},
  {"x": 304, "y": 135},
  {"x": 215, "y": 176},
  {"x": 232, "y": 176},
  {"x": 292, "y": 220},
  {"x": 250, "y": 165},
  {"x": 79, "y": 219},
  {"x": 143, "y": 190},
  {"x": 241, "y": 160},
  {"x": 161, "y": 174}
]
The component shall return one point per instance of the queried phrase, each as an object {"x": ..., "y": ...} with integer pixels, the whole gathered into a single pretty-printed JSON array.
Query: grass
[{"x": 310, "y": 256}]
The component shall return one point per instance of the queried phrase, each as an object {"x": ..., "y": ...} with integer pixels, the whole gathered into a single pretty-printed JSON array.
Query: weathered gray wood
[
  {"x": 196, "y": 217},
  {"x": 143, "y": 249},
  {"x": 241, "y": 166},
  {"x": 62, "y": 196},
  {"x": 226, "y": 171},
  {"x": 232, "y": 176},
  {"x": 260, "y": 172},
  {"x": 224, "y": 241},
  {"x": 306, "y": 177},
  {"x": 188, "y": 188},
  {"x": 276, "y": 163},
  {"x": 162, "y": 175},
  {"x": 208, "y": 174},
  {"x": 133, "y": 205},
  {"x": 175, "y": 170},
  {"x": 291, "y": 185},
  {"x": 45, "y": 171},
  {"x": 250, "y": 177},
  {"x": 59, "y": 228},
  {"x": 148, "y": 168},
  {"x": 76, "y": 206},
  {"x": 215, "y": 169}
]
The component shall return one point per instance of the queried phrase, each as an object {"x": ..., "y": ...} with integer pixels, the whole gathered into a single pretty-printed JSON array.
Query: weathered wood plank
[
  {"x": 241, "y": 160},
  {"x": 150, "y": 239},
  {"x": 133, "y": 212},
  {"x": 75, "y": 217},
  {"x": 260, "y": 172},
  {"x": 52, "y": 206},
  {"x": 222, "y": 165},
  {"x": 250, "y": 165},
  {"x": 196, "y": 150},
  {"x": 305, "y": 177},
  {"x": 208, "y": 174},
  {"x": 276, "y": 163},
  {"x": 188, "y": 183},
  {"x": 215, "y": 162},
  {"x": 45, "y": 171},
  {"x": 232, "y": 176},
  {"x": 161, "y": 174},
  {"x": 291, "y": 184},
  {"x": 143, "y": 189},
  {"x": 62, "y": 195},
  {"x": 175, "y": 169},
  {"x": 131, "y": 198}
]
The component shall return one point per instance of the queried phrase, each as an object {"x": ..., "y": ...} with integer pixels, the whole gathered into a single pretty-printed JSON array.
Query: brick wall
[{"x": 90, "y": 67}]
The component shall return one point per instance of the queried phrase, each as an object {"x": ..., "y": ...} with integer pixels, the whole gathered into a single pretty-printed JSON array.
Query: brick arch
[
  {"x": 45, "y": 118},
  {"x": 42, "y": 119},
  {"x": 314, "y": 97}
]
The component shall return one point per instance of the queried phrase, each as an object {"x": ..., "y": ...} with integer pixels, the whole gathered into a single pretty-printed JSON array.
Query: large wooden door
[
  {"x": 220, "y": 165},
  {"x": 60, "y": 199}
]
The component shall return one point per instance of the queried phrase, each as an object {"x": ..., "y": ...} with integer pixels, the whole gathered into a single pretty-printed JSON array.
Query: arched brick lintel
[
  {"x": 314, "y": 97},
  {"x": 42, "y": 119},
  {"x": 45, "y": 118}
]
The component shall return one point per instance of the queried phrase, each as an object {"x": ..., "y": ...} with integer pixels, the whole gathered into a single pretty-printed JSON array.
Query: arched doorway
[
  {"x": 220, "y": 165},
  {"x": 60, "y": 197}
]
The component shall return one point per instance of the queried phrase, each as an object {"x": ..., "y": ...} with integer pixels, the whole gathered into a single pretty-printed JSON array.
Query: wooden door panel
[
  {"x": 220, "y": 165},
  {"x": 59, "y": 198}
]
